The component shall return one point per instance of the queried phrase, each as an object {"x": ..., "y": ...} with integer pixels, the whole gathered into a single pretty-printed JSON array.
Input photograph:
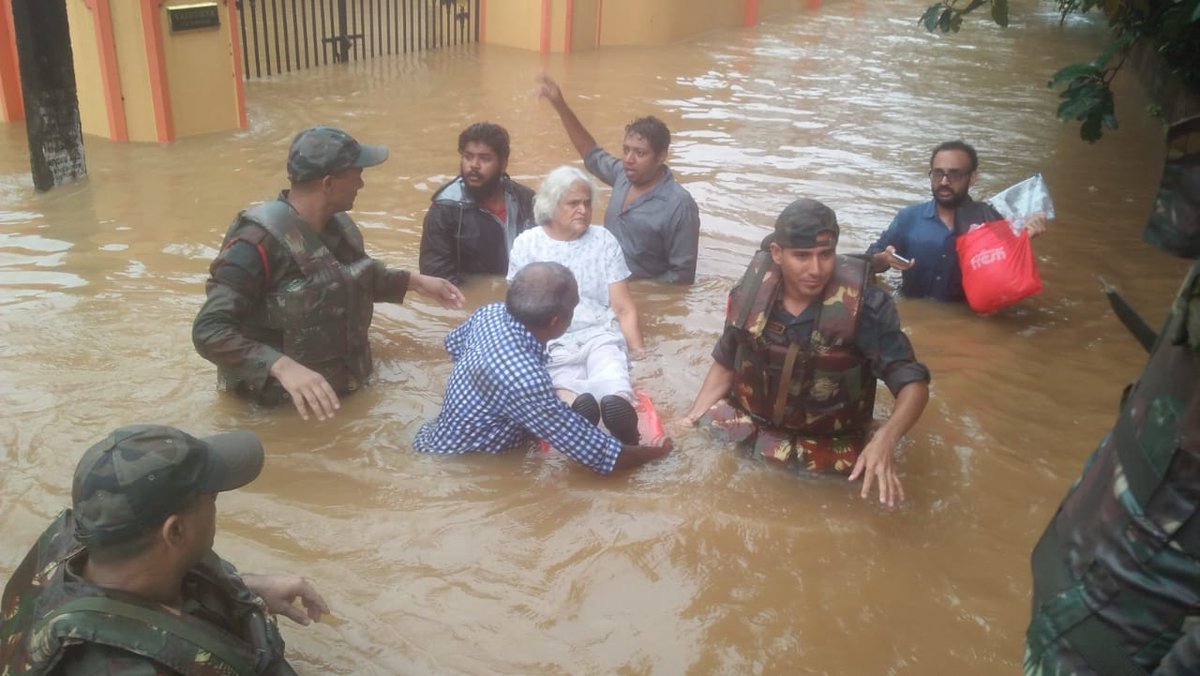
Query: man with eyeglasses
[{"x": 920, "y": 242}]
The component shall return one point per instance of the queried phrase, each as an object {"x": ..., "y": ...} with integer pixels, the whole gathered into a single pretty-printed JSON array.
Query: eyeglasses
[{"x": 954, "y": 175}]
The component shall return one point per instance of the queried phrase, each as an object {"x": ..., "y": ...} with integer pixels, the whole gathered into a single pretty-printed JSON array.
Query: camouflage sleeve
[
  {"x": 390, "y": 284},
  {"x": 234, "y": 288},
  {"x": 1184, "y": 657},
  {"x": 726, "y": 348},
  {"x": 885, "y": 345},
  {"x": 92, "y": 659}
]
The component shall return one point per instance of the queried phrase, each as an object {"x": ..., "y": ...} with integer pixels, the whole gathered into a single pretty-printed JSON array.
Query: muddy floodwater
[{"x": 706, "y": 561}]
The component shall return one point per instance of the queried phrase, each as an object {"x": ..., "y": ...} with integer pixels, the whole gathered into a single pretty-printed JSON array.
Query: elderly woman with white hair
[{"x": 590, "y": 363}]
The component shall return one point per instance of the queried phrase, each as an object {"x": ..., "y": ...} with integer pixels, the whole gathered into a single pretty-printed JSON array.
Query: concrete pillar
[{"x": 48, "y": 85}]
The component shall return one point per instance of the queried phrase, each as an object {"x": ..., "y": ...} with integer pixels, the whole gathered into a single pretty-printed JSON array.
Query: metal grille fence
[{"x": 279, "y": 36}]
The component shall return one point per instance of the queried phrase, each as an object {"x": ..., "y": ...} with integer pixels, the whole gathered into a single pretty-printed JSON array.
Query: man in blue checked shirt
[{"x": 500, "y": 396}]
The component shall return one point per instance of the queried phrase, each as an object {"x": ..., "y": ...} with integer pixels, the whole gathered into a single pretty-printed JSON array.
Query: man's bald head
[{"x": 541, "y": 292}]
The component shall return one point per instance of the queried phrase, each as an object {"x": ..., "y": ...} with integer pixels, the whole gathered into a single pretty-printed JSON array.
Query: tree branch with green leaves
[{"x": 1170, "y": 27}]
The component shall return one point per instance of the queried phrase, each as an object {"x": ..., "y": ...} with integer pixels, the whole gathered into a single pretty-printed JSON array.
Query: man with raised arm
[{"x": 654, "y": 219}]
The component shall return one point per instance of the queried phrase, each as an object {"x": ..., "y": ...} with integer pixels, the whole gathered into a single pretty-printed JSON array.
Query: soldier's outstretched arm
[
  {"x": 716, "y": 385},
  {"x": 280, "y": 592},
  {"x": 1184, "y": 657},
  {"x": 876, "y": 464},
  {"x": 438, "y": 290}
]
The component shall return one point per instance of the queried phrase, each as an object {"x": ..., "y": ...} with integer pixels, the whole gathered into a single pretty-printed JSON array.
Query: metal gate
[{"x": 279, "y": 36}]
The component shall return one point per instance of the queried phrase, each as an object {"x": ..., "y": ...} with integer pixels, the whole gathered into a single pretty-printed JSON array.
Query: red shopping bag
[{"x": 998, "y": 268}]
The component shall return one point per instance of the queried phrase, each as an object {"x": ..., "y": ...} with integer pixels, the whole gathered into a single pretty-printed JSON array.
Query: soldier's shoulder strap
[
  {"x": 350, "y": 232},
  {"x": 187, "y": 647},
  {"x": 281, "y": 221},
  {"x": 750, "y": 301}
]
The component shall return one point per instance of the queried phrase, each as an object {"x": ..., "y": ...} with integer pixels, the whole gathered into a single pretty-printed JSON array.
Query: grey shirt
[{"x": 659, "y": 232}]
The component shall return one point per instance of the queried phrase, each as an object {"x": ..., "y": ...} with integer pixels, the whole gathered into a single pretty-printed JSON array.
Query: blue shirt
[
  {"x": 499, "y": 396},
  {"x": 918, "y": 233}
]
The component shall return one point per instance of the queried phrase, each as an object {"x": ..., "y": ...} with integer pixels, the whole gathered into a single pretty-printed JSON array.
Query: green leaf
[
  {"x": 1000, "y": 12},
  {"x": 944, "y": 22},
  {"x": 1090, "y": 130},
  {"x": 1073, "y": 71},
  {"x": 930, "y": 18},
  {"x": 1079, "y": 107},
  {"x": 956, "y": 22}
]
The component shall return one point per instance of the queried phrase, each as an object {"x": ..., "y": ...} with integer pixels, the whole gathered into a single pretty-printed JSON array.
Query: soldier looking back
[{"x": 126, "y": 582}]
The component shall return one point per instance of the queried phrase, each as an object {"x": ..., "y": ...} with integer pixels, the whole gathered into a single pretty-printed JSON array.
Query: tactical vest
[
  {"x": 44, "y": 615},
  {"x": 1117, "y": 572},
  {"x": 323, "y": 316},
  {"x": 821, "y": 391}
]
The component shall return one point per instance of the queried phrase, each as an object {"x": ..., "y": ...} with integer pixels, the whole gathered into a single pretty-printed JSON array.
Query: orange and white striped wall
[
  {"x": 137, "y": 81},
  {"x": 565, "y": 26},
  {"x": 12, "y": 106}
]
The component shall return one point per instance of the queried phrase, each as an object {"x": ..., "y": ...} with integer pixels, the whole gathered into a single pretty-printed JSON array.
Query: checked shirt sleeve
[{"x": 538, "y": 409}]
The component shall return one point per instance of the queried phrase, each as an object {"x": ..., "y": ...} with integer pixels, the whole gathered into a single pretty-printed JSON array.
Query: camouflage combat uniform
[
  {"x": 54, "y": 621},
  {"x": 1116, "y": 575},
  {"x": 278, "y": 287},
  {"x": 804, "y": 386}
]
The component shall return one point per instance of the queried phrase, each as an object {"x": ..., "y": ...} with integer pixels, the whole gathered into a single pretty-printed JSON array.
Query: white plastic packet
[{"x": 1019, "y": 201}]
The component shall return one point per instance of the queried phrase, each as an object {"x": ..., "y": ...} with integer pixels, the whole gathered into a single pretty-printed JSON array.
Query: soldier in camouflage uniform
[
  {"x": 126, "y": 580},
  {"x": 806, "y": 337},
  {"x": 1116, "y": 575},
  {"x": 292, "y": 293}
]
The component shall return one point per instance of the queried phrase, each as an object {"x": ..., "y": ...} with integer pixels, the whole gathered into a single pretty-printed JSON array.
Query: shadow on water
[{"x": 706, "y": 562}]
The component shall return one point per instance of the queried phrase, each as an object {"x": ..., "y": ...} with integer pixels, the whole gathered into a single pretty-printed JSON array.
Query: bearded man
[
  {"x": 920, "y": 242},
  {"x": 473, "y": 220}
]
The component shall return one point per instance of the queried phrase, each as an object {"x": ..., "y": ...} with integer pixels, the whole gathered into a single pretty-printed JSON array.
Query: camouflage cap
[
  {"x": 801, "y": 226},
  {"x": 320, "y": 151},
  {"x": 141, "y": 474}
]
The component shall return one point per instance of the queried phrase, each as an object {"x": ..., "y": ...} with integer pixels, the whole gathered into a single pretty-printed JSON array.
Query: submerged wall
[{"x": 564, "y": 26}]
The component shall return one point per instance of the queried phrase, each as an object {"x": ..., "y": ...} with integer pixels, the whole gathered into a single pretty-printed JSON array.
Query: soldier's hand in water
[
  {"x": 547, "y": 88},
  {"x": 309, "y": 390},
  {"x": 1036, "y": 224},
  {"x": 877, "y": 467},
  {"x": 438, "y": 289},
  {"x": 280, "y": 593},
  {"x": 681, "y": 423}
]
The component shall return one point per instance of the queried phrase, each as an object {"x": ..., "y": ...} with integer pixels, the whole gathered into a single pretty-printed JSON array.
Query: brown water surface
[{"x": 706, "y": 562}]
